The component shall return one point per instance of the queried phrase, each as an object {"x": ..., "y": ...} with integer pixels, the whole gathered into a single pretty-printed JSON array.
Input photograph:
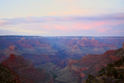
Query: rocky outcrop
[
  {"x": 12, "y": 50},
  {"x": 70, "y": 45},
  {"x": 90, "y": 64},
  {"x": 83, "y": 46},
  {"x": 113, "y": 73},
  {"x": 72, "y": 61},
  {"x": 27, "y": 73},
  {"x": 8, "y": 75},
  {"x": 42, "y": 50},
  {"x": 123, "y": 46},
  {"x": 55, "y": 49}
]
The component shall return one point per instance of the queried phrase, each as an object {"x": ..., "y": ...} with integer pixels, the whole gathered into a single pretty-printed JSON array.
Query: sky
[{"x": 62, "y": 17}]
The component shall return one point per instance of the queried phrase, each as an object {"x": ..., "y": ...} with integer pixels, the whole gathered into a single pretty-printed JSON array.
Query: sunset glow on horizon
[{"x": 62, "y": 17}]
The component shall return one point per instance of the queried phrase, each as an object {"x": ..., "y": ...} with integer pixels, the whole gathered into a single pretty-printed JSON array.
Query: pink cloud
[
  {"x": 88, "y": 26},
  {"x": 74, "y": 26},
  {"x": 1, "y": 24},
  {"x": 117, "y": 22},
  {"x": 80, "y": 26},
  {"x": 77, "y": 26},
  {"x": 54, "y": 27},
  {"x": 118, "y": 31},
  {"x": 59, "y": 27},
  {"x": 103, "y": 29},
  {"x": 67, "y": 24}
]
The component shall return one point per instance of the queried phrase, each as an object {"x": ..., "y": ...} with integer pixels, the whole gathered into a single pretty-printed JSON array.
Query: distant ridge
[{"x": 89, "y": 64}]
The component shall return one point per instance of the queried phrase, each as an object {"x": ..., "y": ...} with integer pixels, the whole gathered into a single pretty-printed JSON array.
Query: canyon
[{"x": 37, "y": 59}]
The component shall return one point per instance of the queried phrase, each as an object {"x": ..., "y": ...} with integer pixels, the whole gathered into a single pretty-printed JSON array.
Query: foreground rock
[
  {"x": 113, "y": 73},
  {"x": 7, "y": 75},
  {"x": 27, "y": 73}
]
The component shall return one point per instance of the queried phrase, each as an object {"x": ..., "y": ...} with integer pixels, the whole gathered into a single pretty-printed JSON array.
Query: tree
[
  {"x": 114, "y": 72},
  {"x": 121, "y": 76}
]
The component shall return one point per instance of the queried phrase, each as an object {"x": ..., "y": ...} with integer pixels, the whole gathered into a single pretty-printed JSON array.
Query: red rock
[
  {"x": 24, "y": 68},
  {"x": 12, "y": 56},
  {"x": 110, "y": 52},
  {"x": 11, "y": 47},
  {"x": 91, "y": 64},
  {"x": 82, "y": 75},
  {"x": 123, "y": 46}
]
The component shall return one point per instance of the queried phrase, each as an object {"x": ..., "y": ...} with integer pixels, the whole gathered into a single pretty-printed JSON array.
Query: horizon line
[{"x": 58, "y": 36}]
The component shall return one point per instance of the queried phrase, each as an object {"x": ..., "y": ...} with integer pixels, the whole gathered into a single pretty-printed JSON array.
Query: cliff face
[
  {"x": 13, "y": 50},
  {"x": 73, "y": 45},
  {"x": 42, "y": 50},
  {"x": 27, "y": 73},
  {"x": 113, "y": 73},
  {"x": 59, "y": 50},
  {"x": 89, "y": 64},
  {"x": 7, "y": 75},
  {"x": 123, "y": 46},
  {"x": 83, "y": 46}
]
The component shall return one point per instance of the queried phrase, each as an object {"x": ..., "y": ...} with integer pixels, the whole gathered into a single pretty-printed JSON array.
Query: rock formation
[
  {"x": 27, "y": 73},
  {"x": 89, "y": 64},
  {"x": 123, "y": 46},
  {"x": 113, "y": 73},
  {"x": 8, "y": 75}
]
